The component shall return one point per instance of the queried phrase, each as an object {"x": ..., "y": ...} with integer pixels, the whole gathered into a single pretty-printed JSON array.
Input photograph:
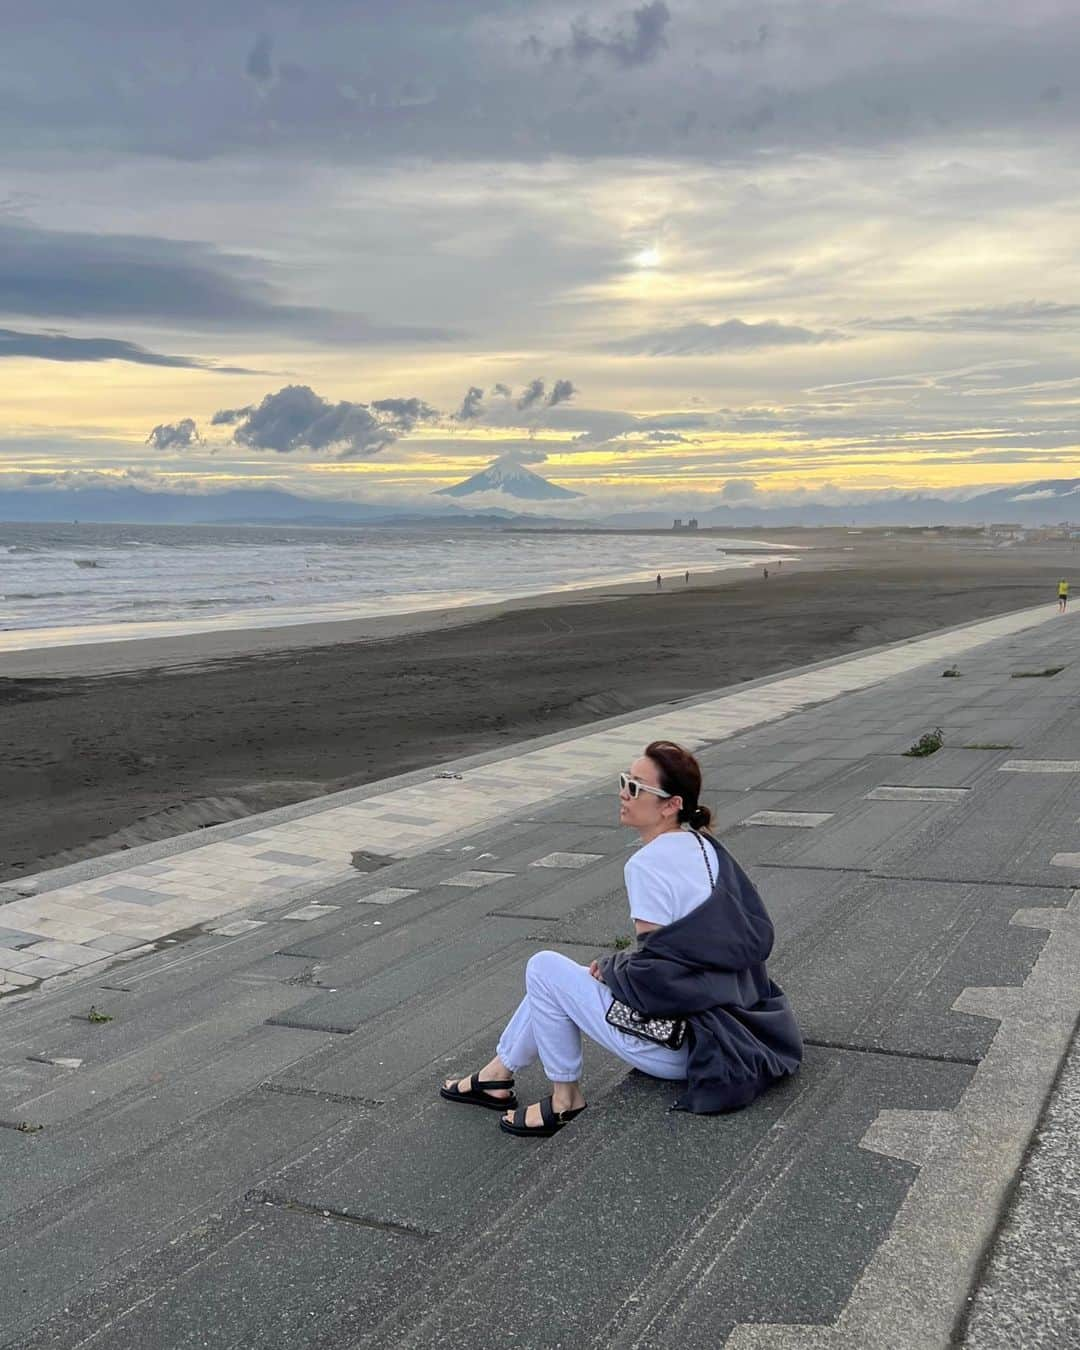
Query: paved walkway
[
  {"x": 59, "y": 924},
  {"x": 247, "y": 1149}
]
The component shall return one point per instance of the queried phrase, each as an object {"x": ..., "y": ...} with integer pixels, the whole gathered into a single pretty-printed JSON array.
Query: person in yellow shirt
[{"x": 1063, "y": 595}]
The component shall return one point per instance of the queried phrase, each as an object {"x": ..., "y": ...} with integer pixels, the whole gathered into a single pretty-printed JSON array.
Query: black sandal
[
  {"x": 552, "y": 1121},
  {"x": 476, "y": 1096}
]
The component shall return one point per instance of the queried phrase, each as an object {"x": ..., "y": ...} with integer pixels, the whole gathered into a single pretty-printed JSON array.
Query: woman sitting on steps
[{"x": 703, "y": 939}]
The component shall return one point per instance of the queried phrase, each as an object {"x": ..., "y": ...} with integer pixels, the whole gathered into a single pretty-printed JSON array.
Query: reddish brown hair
[{"x": 680, "y": 774}]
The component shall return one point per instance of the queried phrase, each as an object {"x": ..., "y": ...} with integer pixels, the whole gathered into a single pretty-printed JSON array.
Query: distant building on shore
[{"x": 690, "y": 524}]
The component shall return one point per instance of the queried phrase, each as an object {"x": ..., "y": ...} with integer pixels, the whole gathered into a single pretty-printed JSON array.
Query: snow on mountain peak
[{"x": 507, "y": 475}]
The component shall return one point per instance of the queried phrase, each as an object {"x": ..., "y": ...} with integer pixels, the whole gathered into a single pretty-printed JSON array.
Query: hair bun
[{"x": 698, "y": 814}]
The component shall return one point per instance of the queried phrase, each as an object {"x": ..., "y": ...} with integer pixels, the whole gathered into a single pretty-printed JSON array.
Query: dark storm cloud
[
  {"x": 562, "y": 391},
  {"x": 57, "y": 347},
  {"x": 51, "y": 274},
  {"x": 709, "y": 339},
  {"x": 174, "y": 436},
  {"x": 296, "y": 418}
]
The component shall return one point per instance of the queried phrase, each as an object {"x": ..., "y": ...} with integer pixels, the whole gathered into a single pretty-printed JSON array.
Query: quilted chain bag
[{"x": 669, "y": 1031}]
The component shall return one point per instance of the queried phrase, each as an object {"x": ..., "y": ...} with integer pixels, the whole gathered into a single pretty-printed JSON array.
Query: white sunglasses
[{"x": 633, "y": 786}]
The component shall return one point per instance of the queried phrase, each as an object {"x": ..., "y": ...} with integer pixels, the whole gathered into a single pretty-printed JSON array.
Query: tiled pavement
[
  {"x": 59, "y": 924},
  {"x": 250, "y": 1152}
]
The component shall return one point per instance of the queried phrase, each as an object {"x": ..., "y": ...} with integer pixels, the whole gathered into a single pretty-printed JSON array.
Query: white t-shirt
[{"x": 667, "y": 877}]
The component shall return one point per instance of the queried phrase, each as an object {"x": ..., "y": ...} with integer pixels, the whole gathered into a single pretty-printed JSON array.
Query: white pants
[{"x": 561, "y": 1001}]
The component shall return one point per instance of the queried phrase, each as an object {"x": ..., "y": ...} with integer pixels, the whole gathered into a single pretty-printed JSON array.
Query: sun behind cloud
[{"x": 647, "y": 257}]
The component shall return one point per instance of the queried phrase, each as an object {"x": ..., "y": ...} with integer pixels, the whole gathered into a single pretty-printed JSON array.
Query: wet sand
[{"x": 96, "y": 755}]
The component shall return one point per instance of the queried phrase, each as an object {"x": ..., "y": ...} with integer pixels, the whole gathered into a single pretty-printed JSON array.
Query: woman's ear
[{"x": 676, "y": 803}]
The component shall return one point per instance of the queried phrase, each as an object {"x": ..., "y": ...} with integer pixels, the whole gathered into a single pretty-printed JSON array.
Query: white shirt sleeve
[{"x": 649, "y": 891}]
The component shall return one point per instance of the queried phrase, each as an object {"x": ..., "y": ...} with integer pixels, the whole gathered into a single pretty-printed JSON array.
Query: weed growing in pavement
[
  {"x": 621, "y": 943},
  {"x": 927, "y": 744},
  {"x": 94, "y": 1016}
]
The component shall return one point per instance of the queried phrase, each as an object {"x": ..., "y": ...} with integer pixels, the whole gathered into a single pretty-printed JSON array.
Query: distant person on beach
[
  {"x": 693, "y": 1000},
  {"x": 765, "y": 573},
  {"x": 1063, "y": 595},
  {"x": 659, "y": 581},
  {"x": 688, "y": 578}
]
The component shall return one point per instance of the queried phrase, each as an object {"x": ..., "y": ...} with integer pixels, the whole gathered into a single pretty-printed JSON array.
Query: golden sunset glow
[{"x": 696, "y": 297}]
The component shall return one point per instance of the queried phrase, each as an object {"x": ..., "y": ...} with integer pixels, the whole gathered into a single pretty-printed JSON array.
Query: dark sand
[{"x": 91, "y": 763}]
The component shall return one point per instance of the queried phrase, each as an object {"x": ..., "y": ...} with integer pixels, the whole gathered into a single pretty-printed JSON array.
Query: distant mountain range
[
  {"x": 511, "y": 478},
  {"x": 236, "y": 506},
  {"x": 1041, "y": 503}
]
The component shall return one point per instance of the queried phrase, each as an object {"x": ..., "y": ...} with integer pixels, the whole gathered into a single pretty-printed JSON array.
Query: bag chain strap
[{"x": 705, "y": 855}]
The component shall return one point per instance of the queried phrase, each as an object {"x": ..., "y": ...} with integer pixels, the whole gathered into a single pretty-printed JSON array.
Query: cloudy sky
[{"x": 688, "y": 249}]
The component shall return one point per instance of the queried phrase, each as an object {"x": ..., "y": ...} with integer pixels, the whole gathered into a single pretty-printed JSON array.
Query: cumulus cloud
[
  {"x": 536, "y": 394},
  {"x": 635, "y": 43},
  {"x": 58, "y": 347},
  {"x": 296, "y": 418},
  {"x": 525, "y": 454},
  {"x": 175, "y": 436},
  {"x": 710, "y": 339},
  {"x": 404, "y": 413},
  {"x": 472, "y": 405},
  {"x": 226, "y": 417},
  {"x": 739, "y": 490},
  {"x": 69, "y": 479},
  {"x": 533, "y": 393},
  {"x": 502, "y": 390}
]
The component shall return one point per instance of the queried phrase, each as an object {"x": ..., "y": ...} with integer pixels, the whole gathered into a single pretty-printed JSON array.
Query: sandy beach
[{"x": 108, "y": 746}]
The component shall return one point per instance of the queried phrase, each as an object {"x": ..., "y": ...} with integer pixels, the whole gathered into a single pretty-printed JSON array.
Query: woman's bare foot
[
  {"x": 494, "y": 1071},
  {"x": 564, "y": 1097}
]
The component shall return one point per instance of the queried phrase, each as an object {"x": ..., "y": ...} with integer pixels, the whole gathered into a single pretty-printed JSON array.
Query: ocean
[{"x": 90, "y": 583}]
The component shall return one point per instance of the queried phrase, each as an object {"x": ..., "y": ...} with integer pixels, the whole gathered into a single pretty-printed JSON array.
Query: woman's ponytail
[
  {"x": 700, "y": 818},
  {"x": 680, "y": 774}
]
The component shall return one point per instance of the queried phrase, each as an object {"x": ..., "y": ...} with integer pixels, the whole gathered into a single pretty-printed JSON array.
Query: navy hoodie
[{"x": 709, "y": 967}]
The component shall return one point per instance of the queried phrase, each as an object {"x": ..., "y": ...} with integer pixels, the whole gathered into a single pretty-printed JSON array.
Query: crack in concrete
[
  {"x": 345, "y": 1098},
  {"x": 940, "y": 1058},
  {"x": 409, "y": 1230}
]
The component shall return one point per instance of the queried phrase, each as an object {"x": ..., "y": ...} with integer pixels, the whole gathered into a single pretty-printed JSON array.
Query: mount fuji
[{"x": 507, "y": 475}]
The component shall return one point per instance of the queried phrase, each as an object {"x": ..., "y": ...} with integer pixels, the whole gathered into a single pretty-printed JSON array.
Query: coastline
[
  {"x": 60, "y": 659},
  {"x": 104, "y": 757}
]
